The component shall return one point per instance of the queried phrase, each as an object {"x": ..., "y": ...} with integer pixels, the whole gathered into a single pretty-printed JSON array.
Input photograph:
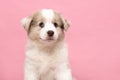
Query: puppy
[{"x": 46, "y": 52}]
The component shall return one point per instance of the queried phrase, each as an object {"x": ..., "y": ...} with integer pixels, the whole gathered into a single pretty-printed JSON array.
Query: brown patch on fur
[
  {"x": 57, "y": 19},
  {"x": 62, "y": 23},
  {"x": 34, "y": 28}
]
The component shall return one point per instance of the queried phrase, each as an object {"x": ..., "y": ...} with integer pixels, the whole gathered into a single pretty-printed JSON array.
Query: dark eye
[
  {"x": 62, "y": 26},
  {"x": 41, "y": 24},
  {"x": 55, "y": 24}
]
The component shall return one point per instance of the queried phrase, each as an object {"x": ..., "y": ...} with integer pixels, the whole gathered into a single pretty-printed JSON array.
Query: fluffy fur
[{"x": 46, "y": 53}]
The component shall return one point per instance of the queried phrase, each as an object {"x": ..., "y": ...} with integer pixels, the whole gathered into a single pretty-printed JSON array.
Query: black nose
[{"x": 50, "y": 33}]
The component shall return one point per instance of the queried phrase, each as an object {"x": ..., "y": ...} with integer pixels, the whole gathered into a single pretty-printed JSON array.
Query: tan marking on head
[
  {"x": 63, "y": 23},
  {"x": 33, "y": 32}
]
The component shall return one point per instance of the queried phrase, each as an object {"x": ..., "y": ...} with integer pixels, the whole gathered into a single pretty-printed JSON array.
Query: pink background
[{"x": 93, "y": 38}]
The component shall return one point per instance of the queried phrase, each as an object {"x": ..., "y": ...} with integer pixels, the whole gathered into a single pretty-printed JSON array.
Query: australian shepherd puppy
[{"x": 46, "y": 52}]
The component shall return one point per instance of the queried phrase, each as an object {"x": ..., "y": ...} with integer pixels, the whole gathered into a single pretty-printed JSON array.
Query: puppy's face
[{"x": 45, "y": 26}]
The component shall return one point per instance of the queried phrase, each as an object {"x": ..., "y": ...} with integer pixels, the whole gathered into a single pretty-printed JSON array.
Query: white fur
[
  {"x": 48, "y": 14},
  {"x": 47, "y": 63},
  {"x": 24, "y": 21},
  {"x": 40, "y": 63}
]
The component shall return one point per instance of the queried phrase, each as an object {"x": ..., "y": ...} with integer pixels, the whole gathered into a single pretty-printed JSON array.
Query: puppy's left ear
[{"x": 66, "y": 24}]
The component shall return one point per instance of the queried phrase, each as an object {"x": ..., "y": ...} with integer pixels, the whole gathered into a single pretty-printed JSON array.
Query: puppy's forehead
[{"x": 48, "y": 14}]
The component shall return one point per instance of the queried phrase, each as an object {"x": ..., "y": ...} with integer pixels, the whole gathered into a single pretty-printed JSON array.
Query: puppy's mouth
[{"x": 48, "y": 39}]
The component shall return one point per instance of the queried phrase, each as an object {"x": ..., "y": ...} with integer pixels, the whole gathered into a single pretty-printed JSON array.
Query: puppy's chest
[{"x": 42, "y": 59}]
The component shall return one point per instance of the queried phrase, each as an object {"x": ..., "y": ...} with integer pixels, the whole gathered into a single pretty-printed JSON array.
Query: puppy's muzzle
[{"x": 50, "y": 33}]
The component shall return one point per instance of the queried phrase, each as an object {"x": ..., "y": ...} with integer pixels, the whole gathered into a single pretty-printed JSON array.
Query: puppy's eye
[
  {"x": 62, "y": 26},
  {"x": 55, "y": 24},
  {"x": 41, "y": 24}
]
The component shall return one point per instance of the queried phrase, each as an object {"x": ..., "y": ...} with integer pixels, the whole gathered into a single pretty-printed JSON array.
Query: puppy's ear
[
  {"x": 26, "y": 22},
  {"x": 66, "y": 24}
]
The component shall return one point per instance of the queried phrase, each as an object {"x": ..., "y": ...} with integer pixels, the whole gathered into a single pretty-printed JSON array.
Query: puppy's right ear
[{"x": 26, "y": 22}]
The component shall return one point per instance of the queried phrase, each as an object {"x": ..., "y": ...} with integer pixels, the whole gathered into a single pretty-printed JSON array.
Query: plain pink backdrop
[{"x": 93, "y": 38}]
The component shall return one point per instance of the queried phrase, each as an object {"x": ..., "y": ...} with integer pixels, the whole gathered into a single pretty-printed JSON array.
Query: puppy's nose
[{"x": 50, "y": 33}]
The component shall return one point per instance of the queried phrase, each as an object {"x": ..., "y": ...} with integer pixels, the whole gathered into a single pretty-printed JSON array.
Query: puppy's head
[{"x": 45, "y": 26}]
